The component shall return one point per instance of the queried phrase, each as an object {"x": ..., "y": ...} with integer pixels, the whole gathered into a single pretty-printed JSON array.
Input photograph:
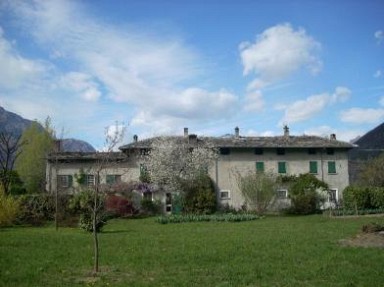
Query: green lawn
[{"x": 274, "y": 251}]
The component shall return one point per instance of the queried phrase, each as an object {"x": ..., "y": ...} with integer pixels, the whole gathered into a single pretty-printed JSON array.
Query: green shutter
[
  {"x": 331, "y": 167},
  {"x": 70, "y": 180},
  {"x": 260, "y": 166},
  {"x": 110, "y": 179},
  {"x": 282, "y": 167},
  {"x": 313, "y": 166}
]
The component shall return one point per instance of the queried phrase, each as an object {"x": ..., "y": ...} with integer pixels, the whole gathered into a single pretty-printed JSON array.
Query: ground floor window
[
  {"x": 282, "y": 193},
  {"x": 225, "y": 194},
  {"x": 113, "y": 178},
  {"x": 64, "y": 181},
  {"x": 90, "y": 180},
  {"x": 168, "y": 202},
  {"x": 333, "y": 195}
]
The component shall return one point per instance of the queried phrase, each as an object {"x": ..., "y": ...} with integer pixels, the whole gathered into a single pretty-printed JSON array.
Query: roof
[
  {"x": 86, "y": 156},
  {"x": 255, "y": 142}
]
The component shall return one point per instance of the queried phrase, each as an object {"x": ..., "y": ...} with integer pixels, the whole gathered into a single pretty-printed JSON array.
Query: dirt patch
[{"x": 374, "y": 239}]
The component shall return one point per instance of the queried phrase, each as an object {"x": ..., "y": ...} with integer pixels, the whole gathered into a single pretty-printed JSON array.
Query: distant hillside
[
  {"x": 15, "y": 124},
  {"x": 367, "y": 147}
]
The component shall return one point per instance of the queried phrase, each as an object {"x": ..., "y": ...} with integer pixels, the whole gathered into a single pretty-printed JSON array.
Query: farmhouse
[{"x": 326, "y": 158}]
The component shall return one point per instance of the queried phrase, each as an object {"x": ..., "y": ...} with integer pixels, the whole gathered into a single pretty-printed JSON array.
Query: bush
[
  {"x": 356, "y": 197},
  {"x": 149, "y": 207},
  {"x": 36, "y": 208},
  {"x": 377, "y": 197},
  {"x": 9, "y": 209},
  {"x": 199, "y": 195},
  {"x": 82, "y": 203},
  {"x": 373, "y": 227},
  {"x": 304, "y": 195},
  {"x": 119, "y": 206},
  {"x": 206, "y": 217}
]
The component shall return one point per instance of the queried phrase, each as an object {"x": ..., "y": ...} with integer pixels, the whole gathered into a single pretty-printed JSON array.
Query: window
[
  {"x": 168, "y": 202},
  {"x": 313, "y": 167},
  {"x": 330, "y": 151},
  {"x": 282, "y": 194},
  {"x": 259, "y": 166},
  {"x": 225, "y": 194},
  {"x": 333, "y": 195},
  {"x": 225, "y": 151},
  {"x": 147, "y": 195},
  {"x": 113, "y": 178},
  {"x": 311, "y": 151},
  {"x": 280, "y": 151},
  {"x": 259, "y": 151},
  {"x": 331, "y": 167},
  {"x": 282, "y": 168},
  {"x": 64, "y": 181},
  {"x": 90, "y": 180}
]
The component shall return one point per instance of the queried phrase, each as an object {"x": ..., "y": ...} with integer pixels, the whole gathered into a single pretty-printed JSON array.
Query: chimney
[
  {"x": 332, "y": 137},
  {"x": 135, "y": 138},
  {"x": 185, "y": 132},
  {"x": 237, "y": 132},
  {"x": 286, "y": 131}
]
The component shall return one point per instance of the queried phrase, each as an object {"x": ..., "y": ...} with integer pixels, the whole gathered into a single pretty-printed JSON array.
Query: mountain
[
  {"x": 15, "y": 124},
  {"x": 367, "y": 147}
]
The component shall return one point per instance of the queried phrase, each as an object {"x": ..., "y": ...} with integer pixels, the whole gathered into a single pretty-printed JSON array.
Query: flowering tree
[{"x": 173, "y": 158}]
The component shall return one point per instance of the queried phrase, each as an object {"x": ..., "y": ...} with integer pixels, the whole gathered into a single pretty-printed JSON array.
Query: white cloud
[
  {"x": 278, "y": 52},
  {"x": 381, "y": 101},
  {"x": 304, "y": 109},
  {"x": 360, "y": 115},
  {"x": 145, "y": 71},
  {"x": 378, "y": 74},
  {"x": 379, "y": 36},
  {"x": 82, "y": 84},
  {"x": 254, "y": 101},
  {"x": 17, "y": 71},
  {"x": 326, "y": 131}
]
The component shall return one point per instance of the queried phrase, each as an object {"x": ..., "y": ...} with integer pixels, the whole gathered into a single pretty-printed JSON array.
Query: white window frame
[
  {"x": 279, "y": 191},
  {"x": 336, "y": 190},
  {"x": 225, "y": 191},
  {"x": 63, "y": 181},
  {"x": 90, "y": 182}
]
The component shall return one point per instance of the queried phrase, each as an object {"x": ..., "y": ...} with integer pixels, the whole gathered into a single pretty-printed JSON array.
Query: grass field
[{"x": 274, "y": 251}]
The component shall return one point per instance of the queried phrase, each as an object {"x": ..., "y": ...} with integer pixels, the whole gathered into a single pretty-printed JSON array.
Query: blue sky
[{"x": 159, "y": 66}]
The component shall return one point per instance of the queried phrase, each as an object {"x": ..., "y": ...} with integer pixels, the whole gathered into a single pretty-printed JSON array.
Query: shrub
[
  {"x": 83, "y": 203},
  {"x": 373, "y": 227},
  {"x": 356, "y": 197},
  {"x": 149, "y": 207},
  {"x": 9, "y": 209},
  {"x": 377, "y": 197},
  {"x": 119, "y": 206},
  {"x": 36, "y": 208},
  {"x": 304, "y": 195},
  {"x": 199, "y": 195}
]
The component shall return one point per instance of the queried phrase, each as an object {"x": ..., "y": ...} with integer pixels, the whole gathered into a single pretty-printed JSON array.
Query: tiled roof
[
  {"x": 86, "y": 156},
  {"x": 255, "y": 142}
]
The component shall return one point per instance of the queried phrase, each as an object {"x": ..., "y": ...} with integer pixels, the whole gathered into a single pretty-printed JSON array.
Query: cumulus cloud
[
  {"x": 304, "y": 109},
  {"x": 278, "y": 52},
  {"x": 379, "y": 36},
  {"x": 82, "y": 84},
  {"x": 361, "y": 115},
  {"x": 146, "y": 72}
]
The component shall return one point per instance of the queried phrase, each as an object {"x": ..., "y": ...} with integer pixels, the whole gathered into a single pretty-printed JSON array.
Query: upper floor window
[
  {"x": 282, "y": 167},
  {"x": 225, "y": 151},
  {"x": 259, "y": 166},
  {"x": 330, "y": 151},
  {"x": 313, "y": 167},
  {"x": 331, "y": 167},
  {"x": 280, "y": 151},
  {"x": 64, "y": 181},
  {"x": 113, "y": 178},
  {"x": 259, "y": 151},
  {"x": 90, "y": 180},
  {"x": 311, "y": 151}
]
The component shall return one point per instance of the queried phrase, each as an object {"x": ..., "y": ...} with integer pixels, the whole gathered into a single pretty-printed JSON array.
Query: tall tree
[
  {"x": 373, "y": 172},
  {"x": 258, "y": 188},
  {"x": 31, "y": 163},
  {"x": 171, "y": 159},
  {"x": 10, "y": 149}
]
